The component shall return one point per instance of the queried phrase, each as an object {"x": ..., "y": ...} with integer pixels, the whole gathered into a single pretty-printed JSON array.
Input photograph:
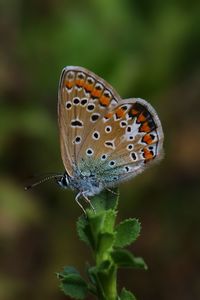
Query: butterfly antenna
[{"x": 42, "y": 180}]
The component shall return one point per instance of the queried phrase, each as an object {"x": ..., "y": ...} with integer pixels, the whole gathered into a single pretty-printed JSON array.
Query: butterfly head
[{"x": 63, "y": 181}]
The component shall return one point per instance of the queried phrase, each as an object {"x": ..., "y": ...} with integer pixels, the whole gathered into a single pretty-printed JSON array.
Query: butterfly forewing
[{"x": 84, "y": 99}]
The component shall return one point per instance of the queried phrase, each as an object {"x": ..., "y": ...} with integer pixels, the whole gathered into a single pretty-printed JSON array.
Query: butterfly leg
[
  {"x": 111, "y": 191},
  {"x": 77, "y": 201},
  {"x": 88, "y": 201}
]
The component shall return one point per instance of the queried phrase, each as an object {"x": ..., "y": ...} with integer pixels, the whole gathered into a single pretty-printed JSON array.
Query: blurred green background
[{"x": 147, "y": 49}]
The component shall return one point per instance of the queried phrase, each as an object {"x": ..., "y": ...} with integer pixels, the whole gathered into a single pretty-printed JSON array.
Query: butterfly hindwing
[{"x": 131, "y": 138}]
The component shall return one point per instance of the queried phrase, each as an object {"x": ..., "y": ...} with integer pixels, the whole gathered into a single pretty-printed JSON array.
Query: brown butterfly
[{"x": 105, "y": 140}]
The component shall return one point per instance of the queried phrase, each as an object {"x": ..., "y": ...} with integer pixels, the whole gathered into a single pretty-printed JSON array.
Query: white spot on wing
[
  {"x": 77, "y": 140},
  {"x": 96, "y": 135},
  {"x": 110, "y": 144},
  {"x": 131, "y": 131},
  {"x": 133, "y": 156},
  {"x": 108, "y": 129},
  {"x": 104, "y": 157},
  {"x": 89, "y": 152},
  {"x": 112, "y": 163},
  {"x": 68, "y": 105},
  {"x": 123, "y": 123},
  {"x": 129, "y": 147}
]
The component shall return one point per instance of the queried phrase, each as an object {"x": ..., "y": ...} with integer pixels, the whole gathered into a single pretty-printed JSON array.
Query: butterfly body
[
  {"x": 85, "y": 183},
  {"x": 105, "y": 140}
]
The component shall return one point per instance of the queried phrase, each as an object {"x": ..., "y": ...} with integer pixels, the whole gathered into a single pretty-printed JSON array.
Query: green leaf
[
  {"x": 127, "y": 232},
  {"x": 124, "y": 258},
  {"x": 126, "y": 295},
  {"x": 84, "y": 231},
  {"x": 90, "y": 270},
  {"x": 106, "y": 200},
  {"x": 73, "y": 285},
  {"x": 69, "y": 270}
]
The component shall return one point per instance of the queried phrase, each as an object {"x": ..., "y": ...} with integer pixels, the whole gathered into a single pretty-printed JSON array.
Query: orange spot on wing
[
  {"x": 79, "y": 82},
  {"x": 88, "y": 87},
  {"x": 147, "y": 139},
  {"x": 104, "y": 100},
  {"x": 69, "y": 84},
  {"x": 134, "y": 112},
  {"x": 141, "y": 118},
  {"x": 120, "y": 112},
  {"x": 145, "y": 127},
  {"x": 96, "y": 93},
  {"x": 147, "y": 154},
  {"x": 108, "y": 115}
]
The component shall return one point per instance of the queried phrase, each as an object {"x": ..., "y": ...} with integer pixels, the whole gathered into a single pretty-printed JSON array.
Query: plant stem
[
  {"x": 109, "y": 284},
  {"x": 107, "y": 280}
]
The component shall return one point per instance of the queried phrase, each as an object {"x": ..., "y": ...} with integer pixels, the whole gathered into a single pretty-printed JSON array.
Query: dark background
[{"x": 147, "y": 49}]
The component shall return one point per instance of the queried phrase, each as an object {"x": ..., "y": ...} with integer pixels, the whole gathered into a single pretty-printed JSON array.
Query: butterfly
[{"x": 105, "y": 140}]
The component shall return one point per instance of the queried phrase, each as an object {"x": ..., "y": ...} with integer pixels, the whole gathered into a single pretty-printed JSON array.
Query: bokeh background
[{"x": 147, "y": 49}]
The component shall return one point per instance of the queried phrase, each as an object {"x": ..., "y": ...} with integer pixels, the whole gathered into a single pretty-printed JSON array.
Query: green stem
[
  {"x": 109, "y": 285},
  {"x": 107, "y": 281}
]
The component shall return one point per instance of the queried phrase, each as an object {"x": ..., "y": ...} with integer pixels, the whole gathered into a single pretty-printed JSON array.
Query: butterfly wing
[
  {"x": 116, "y": 139},
  {"x": 131, "y": 138},
  {"x": 83, "y": 100}
]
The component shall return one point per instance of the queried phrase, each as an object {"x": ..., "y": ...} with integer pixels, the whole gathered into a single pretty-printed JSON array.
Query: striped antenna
[{"x": 55, "y": 176}]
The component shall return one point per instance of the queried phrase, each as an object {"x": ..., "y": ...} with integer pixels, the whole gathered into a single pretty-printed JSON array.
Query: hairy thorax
[{"x": 85, "y": 181}]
